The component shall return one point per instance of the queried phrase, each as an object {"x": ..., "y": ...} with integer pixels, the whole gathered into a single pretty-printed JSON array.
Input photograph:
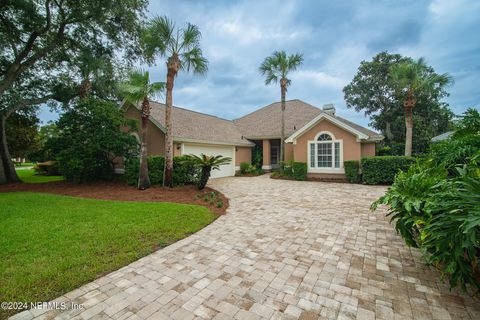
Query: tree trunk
[
  {"x": 283, "y": 87},
  {"x": 143, "y": 178},
  {"x": 85, "y": 88},
  {"x": 7, "y": 165},
  {"x": 409, "y": 104},
  {"x": 173, "y": 66},
  {"x": 204, "y": 177}
]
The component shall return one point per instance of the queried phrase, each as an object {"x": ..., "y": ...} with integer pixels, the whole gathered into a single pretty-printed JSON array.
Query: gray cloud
[{"x": 334, "y": 37}]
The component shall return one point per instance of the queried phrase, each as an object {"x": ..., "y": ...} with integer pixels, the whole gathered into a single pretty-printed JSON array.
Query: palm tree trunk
[
  {"x": 143, "y": 177},
  {"x": 8, "y": 168},
  {"x": 409, "y": 104},
  {"x": 205, "y": 175},
  {"x": 168, "y": 174},
  {"x": 283, "y": 86}
]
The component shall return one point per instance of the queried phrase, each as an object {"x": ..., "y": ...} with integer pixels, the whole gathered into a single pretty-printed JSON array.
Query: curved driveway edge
[{"x": 284, "y": 250}]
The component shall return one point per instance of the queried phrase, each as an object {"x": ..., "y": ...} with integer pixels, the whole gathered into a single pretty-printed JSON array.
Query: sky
[{"x": 333, "y": 36}]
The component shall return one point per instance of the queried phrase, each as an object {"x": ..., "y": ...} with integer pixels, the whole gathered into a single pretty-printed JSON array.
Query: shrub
[
  {"x": 434, "y": 205},
  {"x": 382, "y": 170},
  {"x": 291, "y": 169},
  {"x": 245, "y": 167},
  {"x": 47, "y": 168},
  {"x": 299, "y": 170},
  {"x": 183, "y": 173},
  {"x": 88, "y": 140},
  {"x": 352, "y": 171}
]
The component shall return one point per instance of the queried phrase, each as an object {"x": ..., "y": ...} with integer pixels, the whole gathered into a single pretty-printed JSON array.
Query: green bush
[
  {"x": 245, "y": 167},
  {"x": 382, "y": 170},
  {"x": 435, "y": 205},
  {"x": 291, "y": 169},
  {"x": 352, "y": 171},
  {"x": 183, "y": 173},
  {"x": 88, "y": 140},
  {"x": 299, "y": 170}
]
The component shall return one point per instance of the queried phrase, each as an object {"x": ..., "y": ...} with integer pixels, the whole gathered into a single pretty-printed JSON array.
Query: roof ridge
[
  {"x": 268, "y": 105},
  {"x": 194, "y": 111}
]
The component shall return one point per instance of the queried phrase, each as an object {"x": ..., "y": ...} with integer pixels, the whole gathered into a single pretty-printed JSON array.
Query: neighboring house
[
  {"x": 443, "y": 136},
  {"x": 315, "y": 136}
]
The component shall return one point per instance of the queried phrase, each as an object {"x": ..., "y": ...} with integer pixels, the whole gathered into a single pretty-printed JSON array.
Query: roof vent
[{"x": 329, "y": 108}]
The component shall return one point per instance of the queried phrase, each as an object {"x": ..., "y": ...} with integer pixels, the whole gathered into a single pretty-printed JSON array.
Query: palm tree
[
  {"x": 275, "y": 68},
  {"x": 411, "y": 78},
  {"x": 181, "y": 48},
  {"x": 138, "y": 88},
  {"x": 206, "y": 165}
]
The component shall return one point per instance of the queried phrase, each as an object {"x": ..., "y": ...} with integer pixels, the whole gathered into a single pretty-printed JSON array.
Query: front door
[{"x": 275, "y": 156}]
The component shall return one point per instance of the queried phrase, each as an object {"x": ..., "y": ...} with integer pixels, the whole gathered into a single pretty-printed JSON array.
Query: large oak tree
[{"x": 39, "y": 41}]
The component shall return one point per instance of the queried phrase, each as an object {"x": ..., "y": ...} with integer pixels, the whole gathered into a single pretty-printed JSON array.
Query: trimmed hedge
[
  {"x": 352, "y": 170},
  {"x": 295, "y": 170},
  {"x": 382, "y": 170},
  {"x": 183, "y": 173}
]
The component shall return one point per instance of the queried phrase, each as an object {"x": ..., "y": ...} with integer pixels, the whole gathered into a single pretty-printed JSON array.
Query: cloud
[{"x": 334, "y": 36}]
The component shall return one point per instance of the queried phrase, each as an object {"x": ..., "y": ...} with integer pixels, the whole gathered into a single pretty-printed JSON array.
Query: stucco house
[{"x": 316, "y": 136}]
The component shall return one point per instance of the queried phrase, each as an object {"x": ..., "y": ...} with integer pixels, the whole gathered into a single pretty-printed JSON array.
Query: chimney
[{"x": 329, "y": 108}]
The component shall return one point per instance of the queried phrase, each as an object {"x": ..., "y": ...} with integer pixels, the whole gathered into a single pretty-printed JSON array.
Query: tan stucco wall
[
  {"x": 351, "y": 148},
  {"x": 288, "y": 151},
  {"x": 243, "y": 154},
  {"x": 266, "y": 152},
  {"x": 155, "y": 137},
  {"x": 368, "y": 149}
]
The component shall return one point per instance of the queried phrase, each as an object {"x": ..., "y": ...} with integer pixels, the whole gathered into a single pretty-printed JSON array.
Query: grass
[
  {"x": 52, "y": 244},
  {"x": 29, "y": 176},
  {"x": 25, "y": 164}
]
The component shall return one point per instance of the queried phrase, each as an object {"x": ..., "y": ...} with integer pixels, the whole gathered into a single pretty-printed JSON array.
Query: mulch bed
[{"x": 122, "y": 192}]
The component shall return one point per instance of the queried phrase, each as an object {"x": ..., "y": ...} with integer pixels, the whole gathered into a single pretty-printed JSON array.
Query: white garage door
[{"x": 227, "y": 170}]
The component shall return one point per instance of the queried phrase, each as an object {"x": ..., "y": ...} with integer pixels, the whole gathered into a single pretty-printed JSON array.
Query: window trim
[{"x": 316, "y": 169}]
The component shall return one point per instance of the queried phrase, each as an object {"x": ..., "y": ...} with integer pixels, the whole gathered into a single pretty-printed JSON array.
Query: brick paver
[{"x": 284, "y": 250}]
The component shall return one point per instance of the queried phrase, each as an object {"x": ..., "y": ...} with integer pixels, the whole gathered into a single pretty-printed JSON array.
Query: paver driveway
[{"x": 285, "y": 249}]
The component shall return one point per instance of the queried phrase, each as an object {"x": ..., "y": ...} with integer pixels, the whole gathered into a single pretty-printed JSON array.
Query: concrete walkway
[{"x": 285, "y": 250}]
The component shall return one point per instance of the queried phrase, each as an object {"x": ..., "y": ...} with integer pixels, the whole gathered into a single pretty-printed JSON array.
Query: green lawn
[
  {"x": 29, "y": 176},
  {"x": 51, "y": 244}
]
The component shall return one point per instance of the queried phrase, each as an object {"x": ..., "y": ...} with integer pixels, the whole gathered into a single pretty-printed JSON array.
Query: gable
[{"x": 339, "y": 125}]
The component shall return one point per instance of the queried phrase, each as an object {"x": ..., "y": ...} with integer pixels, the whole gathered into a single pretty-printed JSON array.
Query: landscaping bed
[{"x": 187, "y": 194}]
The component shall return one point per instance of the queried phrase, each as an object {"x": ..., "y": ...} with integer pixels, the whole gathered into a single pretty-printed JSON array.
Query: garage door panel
[{"x": 227, "y": 151}]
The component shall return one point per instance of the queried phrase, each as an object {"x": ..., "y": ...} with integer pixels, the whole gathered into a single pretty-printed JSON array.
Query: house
[
  {"x": 443, "y": 136},
  {"x": 316, "y": 136}
]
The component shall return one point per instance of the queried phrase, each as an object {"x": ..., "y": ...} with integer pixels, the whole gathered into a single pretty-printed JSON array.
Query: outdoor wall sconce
[
  {"x": 236, "y": 149},
  {"x": 178, "y": 146}
]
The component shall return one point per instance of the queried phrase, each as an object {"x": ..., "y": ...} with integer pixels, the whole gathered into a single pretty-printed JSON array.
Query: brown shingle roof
[
  {"x": 266, "y": 122},
  {"x": 192, "y": 125},
  {"x": 263, "y": 123}
]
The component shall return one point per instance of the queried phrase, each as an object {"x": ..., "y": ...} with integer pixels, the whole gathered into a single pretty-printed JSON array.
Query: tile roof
[
  {"x": 266, "y": 122},
  {"x": 192, "y": 125}
]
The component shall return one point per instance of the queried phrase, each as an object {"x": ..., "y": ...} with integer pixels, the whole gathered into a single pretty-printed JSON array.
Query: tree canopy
[{"x": 373, "y": 91}]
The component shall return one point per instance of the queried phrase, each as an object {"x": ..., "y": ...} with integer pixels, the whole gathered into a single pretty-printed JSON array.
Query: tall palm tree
[
  {"x": 411, "y": 78},
  {"x": 275, "y": 68},
  {"x": 136, "y": 89},
  {"x": 181, "y": 48}
]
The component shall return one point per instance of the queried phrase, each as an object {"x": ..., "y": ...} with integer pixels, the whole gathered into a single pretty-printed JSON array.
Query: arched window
[
  {"x": 325, "y": 152},
  {"x": 324, "y": 137}
]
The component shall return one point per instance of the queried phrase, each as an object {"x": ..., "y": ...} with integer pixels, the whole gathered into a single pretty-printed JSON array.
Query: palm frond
[
  {"x": 278, "y": 65},
  {"x": 193, "y": 60},
  {"x": 190, "y": 38}
]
